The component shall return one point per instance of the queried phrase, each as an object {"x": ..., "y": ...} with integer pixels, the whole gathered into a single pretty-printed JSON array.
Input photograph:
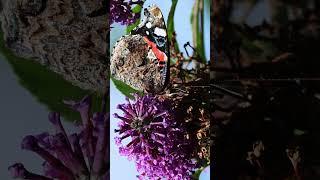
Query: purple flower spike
[
  {"x": 82, "y": 155},
  {"x": 158, "y": 144}
]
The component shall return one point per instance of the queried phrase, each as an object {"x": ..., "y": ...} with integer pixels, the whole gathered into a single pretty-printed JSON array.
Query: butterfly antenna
[
  {"x": 187, "y": 44},
  {"x": 230, "y": 92}
]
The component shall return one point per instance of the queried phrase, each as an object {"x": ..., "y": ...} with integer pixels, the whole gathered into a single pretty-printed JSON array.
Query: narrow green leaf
[
  {"x": 197, "y": 21},
  {"x": 170, "y": 23},
  {"x": 132, "y": 26},
  {"x": 124, "y": 88},
  {"x": 196, "y": 175},
  {"x": 136, "y": 9}
]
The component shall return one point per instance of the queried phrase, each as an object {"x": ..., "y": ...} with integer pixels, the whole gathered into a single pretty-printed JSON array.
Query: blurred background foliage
[{"x": 266, "y": 73}]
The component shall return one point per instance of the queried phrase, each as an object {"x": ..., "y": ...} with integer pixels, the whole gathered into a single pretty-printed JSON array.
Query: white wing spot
[
  {"x": 148, "y": 25},
  {"x": 147, "y": 32},
  {"x": 151, "y": 56},
  {"x": 160, "y": 32}
]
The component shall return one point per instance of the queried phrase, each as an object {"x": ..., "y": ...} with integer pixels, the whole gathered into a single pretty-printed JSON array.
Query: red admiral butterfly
[{"x": 141, "y": 59}]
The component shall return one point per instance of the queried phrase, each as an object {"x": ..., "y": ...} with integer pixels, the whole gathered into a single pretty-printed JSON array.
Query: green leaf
[
  {"x": 197, "y": 21},
  {"x": 196, "y": 175},
  {"x": 124, "y": 88},
  {"x": 132, "y": 26},
  {"x": 136, "y": 9},
  {"x": 46, "y": 86},
  {"x": 170, "y": 23}
]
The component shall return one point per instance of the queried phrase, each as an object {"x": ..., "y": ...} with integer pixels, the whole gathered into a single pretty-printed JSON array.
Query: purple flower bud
[
  {"x": 55, "y": 173},
  {"x": 74, "y": 138},
  {"x": 83, "y": 107},
  {"x": 30, "y": 143},
  {"x": 54, "y": 118},
  {"x": 43, "y": 140},
  {"x": 87, "y": 143},
  {"x": 66, "y": 154},
  {"x": 102, "y": 124},
  {"x": 18, "y": 171}
]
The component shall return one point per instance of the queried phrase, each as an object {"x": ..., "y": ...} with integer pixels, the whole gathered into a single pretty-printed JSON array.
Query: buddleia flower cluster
[
  {"x": 158, "y": 143},
  {"x": 121, "y": 11},
  {"x": 83, "y": 155}
]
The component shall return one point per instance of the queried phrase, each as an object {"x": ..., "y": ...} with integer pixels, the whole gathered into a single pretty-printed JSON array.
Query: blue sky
[{"x": 121, "y": 168}]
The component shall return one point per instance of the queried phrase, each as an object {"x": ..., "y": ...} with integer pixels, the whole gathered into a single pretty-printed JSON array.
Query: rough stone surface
[{"x": 70, "y": 37}]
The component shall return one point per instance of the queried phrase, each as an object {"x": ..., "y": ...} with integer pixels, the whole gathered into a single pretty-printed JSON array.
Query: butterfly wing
[{"x": 154, "y": 31}]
